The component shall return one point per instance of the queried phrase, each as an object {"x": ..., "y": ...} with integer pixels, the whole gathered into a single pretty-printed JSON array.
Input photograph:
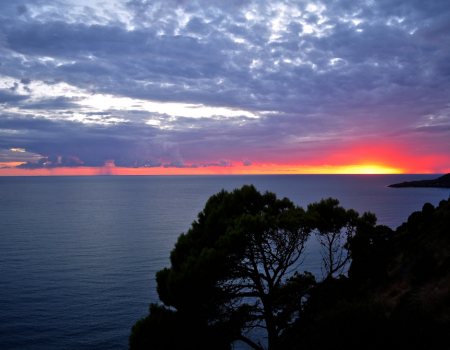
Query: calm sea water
[{"x": 78, "y": 255}]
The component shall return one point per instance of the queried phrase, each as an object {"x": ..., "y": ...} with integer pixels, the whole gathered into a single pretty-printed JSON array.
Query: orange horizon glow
[
  {"x": 237, "y": 169},
  {"x": 356, "y": 159}
]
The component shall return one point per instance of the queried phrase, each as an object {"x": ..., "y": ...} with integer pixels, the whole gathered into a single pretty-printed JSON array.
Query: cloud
[
  {"x": 222, "y": 163},
  {"x": 60, "y": 102},
  {"x": 15, "y": 155},
  {"x": 21, "y": 9},
  {"x": 7, "y": 97},
  {"x": 52, "y": 162},
  {"x": 14, "y": 87},
  {"x": 69, "y": 143},
  {"x": 319, "y": 76},
  {"x": 246, "y": 162},
  {"x": 74, "y": 144}
]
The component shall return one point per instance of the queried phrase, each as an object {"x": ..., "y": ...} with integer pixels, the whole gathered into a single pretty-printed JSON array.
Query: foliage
[
  {"x": 230, "y": 268},
  {"x": 334, "y": 227},
  {"x": 397, "y": 292},
  {"x": 154, "y": 331},
  {"x": 235, "y": 271},
  {"x": 370, "y": 251}
]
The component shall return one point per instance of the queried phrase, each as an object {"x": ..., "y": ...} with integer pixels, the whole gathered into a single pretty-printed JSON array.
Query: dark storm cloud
[{"x": 367, "y": 68}]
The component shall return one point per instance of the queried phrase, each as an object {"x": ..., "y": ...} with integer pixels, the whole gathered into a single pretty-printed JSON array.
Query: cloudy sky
[{"x": 210, "y": 87}]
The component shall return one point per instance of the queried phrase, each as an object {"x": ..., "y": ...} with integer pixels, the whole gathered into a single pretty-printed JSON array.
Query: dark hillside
[
  {"x": 442, "y": 182},
  {"x": 419, "y": 272},
  {"x": 397, "y": 293}
]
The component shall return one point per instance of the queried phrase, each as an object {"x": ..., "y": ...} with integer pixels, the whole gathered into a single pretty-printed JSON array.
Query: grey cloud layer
[
  {"x": 372, "y": 68},
  {"x": 66, "y": 143},
  {"x": 72, "y": 144}
]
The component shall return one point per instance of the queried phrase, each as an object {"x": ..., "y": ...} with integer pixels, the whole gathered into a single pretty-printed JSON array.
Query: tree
[
  {"x": 154, "y": 331},
  {"x": 232, "y": 272},
  {"x": 334, "y": 227}
]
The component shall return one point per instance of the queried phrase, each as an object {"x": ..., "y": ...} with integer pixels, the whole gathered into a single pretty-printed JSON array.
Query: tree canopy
[{"x": 235, "y": 271}]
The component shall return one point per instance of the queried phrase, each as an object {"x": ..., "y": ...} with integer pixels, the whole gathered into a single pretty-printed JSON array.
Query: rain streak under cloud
[{"x": 183, "y": 86}]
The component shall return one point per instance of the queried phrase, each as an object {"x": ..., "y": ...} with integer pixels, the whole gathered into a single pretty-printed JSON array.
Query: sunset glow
[
  {"x": 375, "y": 164},
  {"x": 258, "y": 169},
  {"x": 205, "y": 87}
]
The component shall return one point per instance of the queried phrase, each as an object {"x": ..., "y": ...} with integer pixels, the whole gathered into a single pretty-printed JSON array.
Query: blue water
[{"x": 78, "y": 255}]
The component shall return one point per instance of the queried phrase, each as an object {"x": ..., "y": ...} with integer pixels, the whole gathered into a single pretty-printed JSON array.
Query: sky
[{"x": 224, "y": 87}]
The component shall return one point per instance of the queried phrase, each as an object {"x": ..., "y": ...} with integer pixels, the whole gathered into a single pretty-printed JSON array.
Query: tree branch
[{"x": 249, "y": 342}]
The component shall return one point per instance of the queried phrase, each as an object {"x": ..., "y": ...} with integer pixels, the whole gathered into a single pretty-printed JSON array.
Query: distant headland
[{"x": 442, "y": 182}]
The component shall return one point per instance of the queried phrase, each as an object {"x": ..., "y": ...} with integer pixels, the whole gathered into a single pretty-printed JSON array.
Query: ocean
[{"x": 78, "y": 255}]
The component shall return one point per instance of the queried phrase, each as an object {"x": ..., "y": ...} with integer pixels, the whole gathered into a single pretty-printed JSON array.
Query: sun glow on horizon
[
  {"x": 368, "y": 169},
  {"x": 236, "y": 169}
]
